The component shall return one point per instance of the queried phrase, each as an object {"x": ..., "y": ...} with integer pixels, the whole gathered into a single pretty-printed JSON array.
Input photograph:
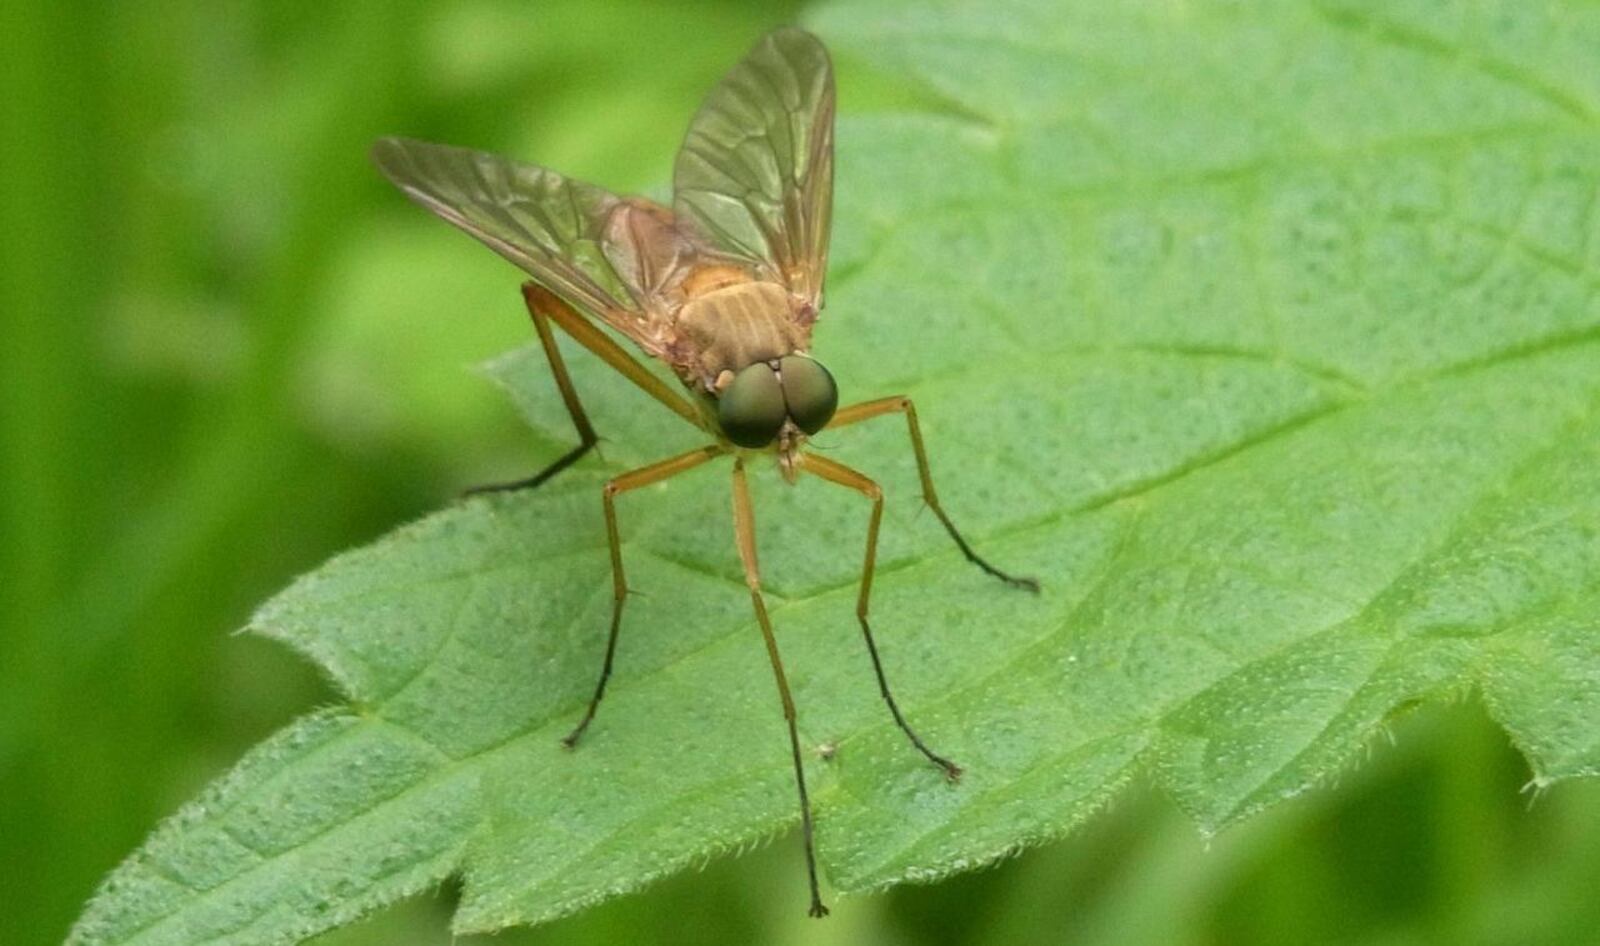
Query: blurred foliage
[{"x": 229, "y": 351}]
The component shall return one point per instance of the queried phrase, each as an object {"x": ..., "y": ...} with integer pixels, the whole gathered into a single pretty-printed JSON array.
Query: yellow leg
[
  {"x": 586, "y": 334},
  {"x": 545, "y": 307},
  {"x": 744, "y": 532},
  {"x": 866, "y": 410},
  {"x": 850, "y": 479},
  {"x": 644, "y": 476}
]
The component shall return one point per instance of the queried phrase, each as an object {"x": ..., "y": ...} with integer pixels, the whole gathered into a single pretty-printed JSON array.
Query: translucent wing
[
  {"x": 755, "y": 174},
  {"x": 608, "y": 255}
]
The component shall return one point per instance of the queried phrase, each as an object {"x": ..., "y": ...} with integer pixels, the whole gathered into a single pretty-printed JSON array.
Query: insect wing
[
  {"x": 555, "y": 228},
  {"x": 755, "y": 174}
]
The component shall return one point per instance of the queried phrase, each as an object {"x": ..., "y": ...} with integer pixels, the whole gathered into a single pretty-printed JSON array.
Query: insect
[{"x": 724, "y": 287}]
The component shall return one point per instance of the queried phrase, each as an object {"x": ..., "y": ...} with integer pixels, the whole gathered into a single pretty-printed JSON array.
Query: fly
[{"x": 724, "y": 287}]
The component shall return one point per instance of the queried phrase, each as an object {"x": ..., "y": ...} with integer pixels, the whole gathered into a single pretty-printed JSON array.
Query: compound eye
[
  {"x": 809, "y": 392},
  {"x": 751, "y": 410}
]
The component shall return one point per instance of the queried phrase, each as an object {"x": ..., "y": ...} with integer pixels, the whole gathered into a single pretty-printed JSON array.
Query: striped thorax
[{"x": 738, "y": 325}]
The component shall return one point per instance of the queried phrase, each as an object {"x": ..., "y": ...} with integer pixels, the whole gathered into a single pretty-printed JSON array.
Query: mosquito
[{"x": 724, "y": 287}]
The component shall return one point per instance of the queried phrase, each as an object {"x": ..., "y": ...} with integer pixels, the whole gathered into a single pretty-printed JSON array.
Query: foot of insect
[
  {"x": 536, "y": 480},
  {"x": 1014, "y": 581},
  {"x": 570, "y": 740}
]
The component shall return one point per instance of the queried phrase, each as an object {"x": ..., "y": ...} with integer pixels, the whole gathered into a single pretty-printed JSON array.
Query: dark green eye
[
  {"x": 752, "y": 409},
  {"x": 809, "y": 391}
]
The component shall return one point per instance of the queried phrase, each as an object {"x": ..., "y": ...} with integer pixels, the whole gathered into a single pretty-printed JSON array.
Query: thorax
[{"x": 739, "y": 324}]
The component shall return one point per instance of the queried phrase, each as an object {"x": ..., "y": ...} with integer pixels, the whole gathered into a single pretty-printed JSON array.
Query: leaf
[{"x": 1266, "y": 337}]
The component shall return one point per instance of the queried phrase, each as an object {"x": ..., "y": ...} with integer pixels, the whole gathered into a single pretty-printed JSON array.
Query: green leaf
[{"x": 1266, "y": 336}]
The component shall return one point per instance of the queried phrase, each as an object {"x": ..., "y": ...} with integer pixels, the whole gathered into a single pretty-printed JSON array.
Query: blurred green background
[{"x": 230, "y": 350}]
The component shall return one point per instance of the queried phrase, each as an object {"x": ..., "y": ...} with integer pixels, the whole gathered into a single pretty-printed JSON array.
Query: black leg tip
[
  {"x": 817, "y": 909},
  {"x": 1026, "y": 584},
  {"x": 492, "y": 489},
  {"x": 952, "y": 772},
  {"x": 570, "y": 740}
]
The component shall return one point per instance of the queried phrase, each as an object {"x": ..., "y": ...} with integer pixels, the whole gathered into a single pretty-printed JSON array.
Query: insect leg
[
  {"x": 867, "y": 410},
  {"x": 539, "y": 307},
  {"x": 744, "y": 531},
  {"x": 644, "y": 476},
  {"x": 586, "y": 334},
  {"x": 850, "y": 479},
  {"x": 546, "y": 307}
]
